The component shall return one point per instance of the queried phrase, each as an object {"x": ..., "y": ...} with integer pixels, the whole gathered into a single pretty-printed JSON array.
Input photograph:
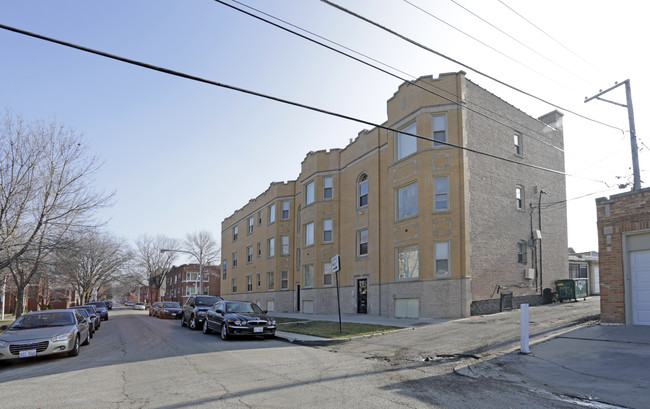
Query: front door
[
  {"x": 298, "y": 297},
  {"x": 362, "y": 296},
  {"x": 640, "y": 272}
]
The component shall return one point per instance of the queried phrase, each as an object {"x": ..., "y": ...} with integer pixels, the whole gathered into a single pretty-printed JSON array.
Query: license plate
[
  {"x": 258, "y": 329},
  {"x": 173, "y": 314},
  {"x": 27, "y": 353}
]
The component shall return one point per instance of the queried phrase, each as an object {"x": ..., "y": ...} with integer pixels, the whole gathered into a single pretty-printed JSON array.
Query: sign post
[{"x": 336, "y": 266}]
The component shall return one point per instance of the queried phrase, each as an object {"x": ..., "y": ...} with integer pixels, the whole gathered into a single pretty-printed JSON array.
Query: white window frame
[
  {"x": 284, "y": 244},
  {"x": 362, "y": 181},
  {"x": 328, "y": 229},
  {"x": 310, "y": 193},
  {"x": 249, "y": 283},
  {"x": 308, "y": 276},
  {"x": 249, "y": 254},
  {"x": 328, "y": 275},
  {"x": 272, "y": 214},
  {"x": 406, "y": 145},
  {"x": 270, "y": 280},
  {"x": 437, "y": 130},
  {"x": 519, "y": 149},
  {"x": 522, "y": 252},
  {"x": 404, "y": 196},
  {"x": 251, "y": 223},
  {"x": 286, "y": 206},
  {"x": 258, "y": 279},
  {"x": 309, "y": 234},
  {"x": 328, "y": 187},
  {"x": 234, "y": 259},
  {"x": 233, "y": 283},
  {"x": 235, "y": 233},
  {"x": 271, "y": 247},
  {"x": 441, "y": 252},
  {"x": 407, "y": 263},
  {"x": 284, "y": 279},
  {"x": 519, "y": 197},
  {"x": 361, "y": 242},
  {"x": 439, "y": 194}
]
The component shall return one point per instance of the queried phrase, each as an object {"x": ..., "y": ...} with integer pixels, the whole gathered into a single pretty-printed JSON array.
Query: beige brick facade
[{"x": 437, "y": 232}]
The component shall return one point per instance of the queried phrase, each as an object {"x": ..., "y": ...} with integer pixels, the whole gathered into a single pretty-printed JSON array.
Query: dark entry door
[
  {"x": 362, "y": 296},
  {"x": 297, "y": 297}
]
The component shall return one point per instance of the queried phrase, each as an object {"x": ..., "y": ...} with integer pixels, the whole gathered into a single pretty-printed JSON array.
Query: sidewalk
[{"x": 605, "y": 364}]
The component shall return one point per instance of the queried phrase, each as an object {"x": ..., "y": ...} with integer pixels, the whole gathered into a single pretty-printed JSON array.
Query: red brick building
[
  {"x": 183, "y": 281},
  {"x": 624, "y": 253}
]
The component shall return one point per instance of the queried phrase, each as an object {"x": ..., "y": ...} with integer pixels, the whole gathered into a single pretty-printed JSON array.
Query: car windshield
[
  {"x": 43, "y": 320},
  {"x": 206, "y": 300},
  {"x": 241, "y": 307},
  {"x": 171, "y": 305}
]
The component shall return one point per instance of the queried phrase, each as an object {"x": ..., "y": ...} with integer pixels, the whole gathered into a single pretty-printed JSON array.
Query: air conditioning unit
[{"x": 529, "y": 273}]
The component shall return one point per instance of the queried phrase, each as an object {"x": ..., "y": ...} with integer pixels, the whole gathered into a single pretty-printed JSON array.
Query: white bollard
[{"x": 524, "y": 329}]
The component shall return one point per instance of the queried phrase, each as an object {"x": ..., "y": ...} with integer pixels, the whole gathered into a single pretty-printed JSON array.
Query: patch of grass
[
  {"x": 282, "y": 320},
  {"x": 8, "y": 320},
  {"x": 330, "y": 329}
]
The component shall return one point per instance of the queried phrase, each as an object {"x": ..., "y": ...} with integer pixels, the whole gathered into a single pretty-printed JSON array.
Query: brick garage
[{"x": 624, "y": 257}]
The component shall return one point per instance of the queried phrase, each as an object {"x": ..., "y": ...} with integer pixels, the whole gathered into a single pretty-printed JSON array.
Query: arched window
[{"x": 362, "y": 190}]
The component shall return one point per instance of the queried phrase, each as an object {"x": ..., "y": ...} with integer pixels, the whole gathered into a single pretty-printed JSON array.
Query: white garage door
[{"x": 640, "y": 271}]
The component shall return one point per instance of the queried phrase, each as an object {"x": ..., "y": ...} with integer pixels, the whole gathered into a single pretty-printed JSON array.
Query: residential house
[
  {"x": 184, "y": 281},
  {"x": 585, "y": 265},
  {"x": 434, "y": 213}
]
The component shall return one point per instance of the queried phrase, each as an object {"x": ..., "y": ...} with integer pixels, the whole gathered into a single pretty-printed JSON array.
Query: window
[
  {"x": 251, "y": 221},
  {"x": 259, "y": 217},
  {"x": 235, "y": 233},
  {"x": 285, "y": 210},
  {"x": 308, "y": 275},
  {"x": 519, "y": 195},
  {"x": 407, "y": 201},
  {"x": 441, "y": 259},
  {"x": 441, "y": 187},
  {"x": 284, "y": 280},
  {"x": 258, "y": 279},
  {"x": 518, "y": 148},
  {"x": 298, "y": 259},
  {"x": 249, "y": 283},
  {"x": 406, "y": 144},
  {"x": 309, "y": 234},
  {"x": 272, "y": 214},
  {"x": 327, "y": 187},
  {"x": 522, "y": 257},
  {"x": 234, "y": 285},
  {"x": 271, "y": 249},
  {"x": 249, "y": 254},
  {"x": 363, "y": 190},
  {"x": 234, "y": 259},
  {"x": 327, "y": 274},
  {"x": 309, "y": 193},
  {"x": 327, "y": 230},
  {"x": 223, "y": 269},
  {"x": 284, "y": 242},
  {"x": 439, "y": 129},
  {"x": 362, "y": 242},
  {"x": 190, "y": 291},
  {"x": 408, "y": 263},
  {"x": 259, "y": 249},
  {"x": 270, "y": 280}
]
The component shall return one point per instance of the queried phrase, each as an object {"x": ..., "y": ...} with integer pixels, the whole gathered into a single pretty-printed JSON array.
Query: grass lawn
[
  {"x": 330, "y": 329},
  {"x": 8, "y": 320}
]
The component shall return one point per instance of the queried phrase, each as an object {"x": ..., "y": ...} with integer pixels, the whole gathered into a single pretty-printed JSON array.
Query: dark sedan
[
  {"x": 92, "y": 310},
  {"x": 169, "y": 309},
  {"x": 232, "y": 318},
  {"x": 101, "y": 309}
]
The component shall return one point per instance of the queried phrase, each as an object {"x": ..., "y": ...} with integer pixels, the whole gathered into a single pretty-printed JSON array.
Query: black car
[
  {"x": 193, "y": 312},
  {"x": 238, "y": 318},
  {"x": 109, "y": 305},
  {"x": 101, "y": 309},
  {"x": 169, "y": 309},
  {"x": 92, "y": 310},
  {"x": 90, "y": 319}
]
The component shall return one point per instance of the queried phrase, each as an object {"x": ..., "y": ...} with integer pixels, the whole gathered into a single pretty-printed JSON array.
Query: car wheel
[
  {"x": 192, "y": 323},
  {"x": 224, "y": 331},
  {"x": 87, "y": 341},
  {"x": 182, "y": 320},
  {"x": 206, "y": 329},
  {"x": 75, "y": 348}
]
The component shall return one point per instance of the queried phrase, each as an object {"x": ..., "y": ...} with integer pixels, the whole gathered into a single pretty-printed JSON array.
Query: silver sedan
[{"x": 44, "y": 333}]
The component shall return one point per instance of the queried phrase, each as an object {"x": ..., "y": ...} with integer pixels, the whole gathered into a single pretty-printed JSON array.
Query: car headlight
[
  {"x": 62, "y": 337},
  {"x": 271, "y": 322},
  {"x": 3, "y": 344}
]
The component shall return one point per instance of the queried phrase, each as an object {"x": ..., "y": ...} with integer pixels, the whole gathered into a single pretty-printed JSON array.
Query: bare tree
[
  {"x": 204, "y": 247},
  {"x": 92, "y": 260},
  {"x": 153, "y": 265},
  {"x": 45, "y": 191}
]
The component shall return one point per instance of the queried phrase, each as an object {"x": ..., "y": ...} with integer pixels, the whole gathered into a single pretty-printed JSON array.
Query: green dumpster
[{"x": 571, "y": 289}]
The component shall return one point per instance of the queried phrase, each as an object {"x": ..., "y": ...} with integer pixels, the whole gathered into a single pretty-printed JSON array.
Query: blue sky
[{"x": 183, "y": 155}]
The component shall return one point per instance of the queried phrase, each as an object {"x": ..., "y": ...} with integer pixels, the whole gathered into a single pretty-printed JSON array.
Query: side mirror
[
  {"x": 219, "y": 311},
  {"x": 4, "y": 327},
  {"x": 265, "y": 312}
]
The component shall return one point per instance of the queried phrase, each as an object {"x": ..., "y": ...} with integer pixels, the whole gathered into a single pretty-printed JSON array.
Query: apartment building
[
  {"x": 439, "y": 225},
  {"x": 184, "y": 280}
]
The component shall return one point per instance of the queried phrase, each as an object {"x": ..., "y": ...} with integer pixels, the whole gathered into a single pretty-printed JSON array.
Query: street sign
[{"x": 336, "y": 263}]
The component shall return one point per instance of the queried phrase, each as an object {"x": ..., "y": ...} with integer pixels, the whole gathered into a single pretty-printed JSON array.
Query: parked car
[
  {"x": 101, "y": 309},
  {"x": 92, "y": 310},
  {"x": 41, "y": 333},
  {"x": 195, "y": 308},
  {"x": 128, "y": 303},
  {"x": 90, "y": 318},
  {"x": 155, "y": 309},
  {"x": 170, "y": 309},
  {"x": 139, "y": 306},
  {"x": 109, "y": 305},
  {"x": 238, "y": 318}
]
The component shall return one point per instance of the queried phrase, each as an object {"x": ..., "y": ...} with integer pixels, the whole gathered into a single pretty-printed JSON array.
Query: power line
[
  {"x": 265, "y": 96},
  {"x": 409, "y": 40}
]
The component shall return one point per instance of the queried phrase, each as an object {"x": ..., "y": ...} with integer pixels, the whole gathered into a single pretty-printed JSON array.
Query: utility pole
[
  {"x": 539, "y": 212},
  {"x": 630, "y": 117}
]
